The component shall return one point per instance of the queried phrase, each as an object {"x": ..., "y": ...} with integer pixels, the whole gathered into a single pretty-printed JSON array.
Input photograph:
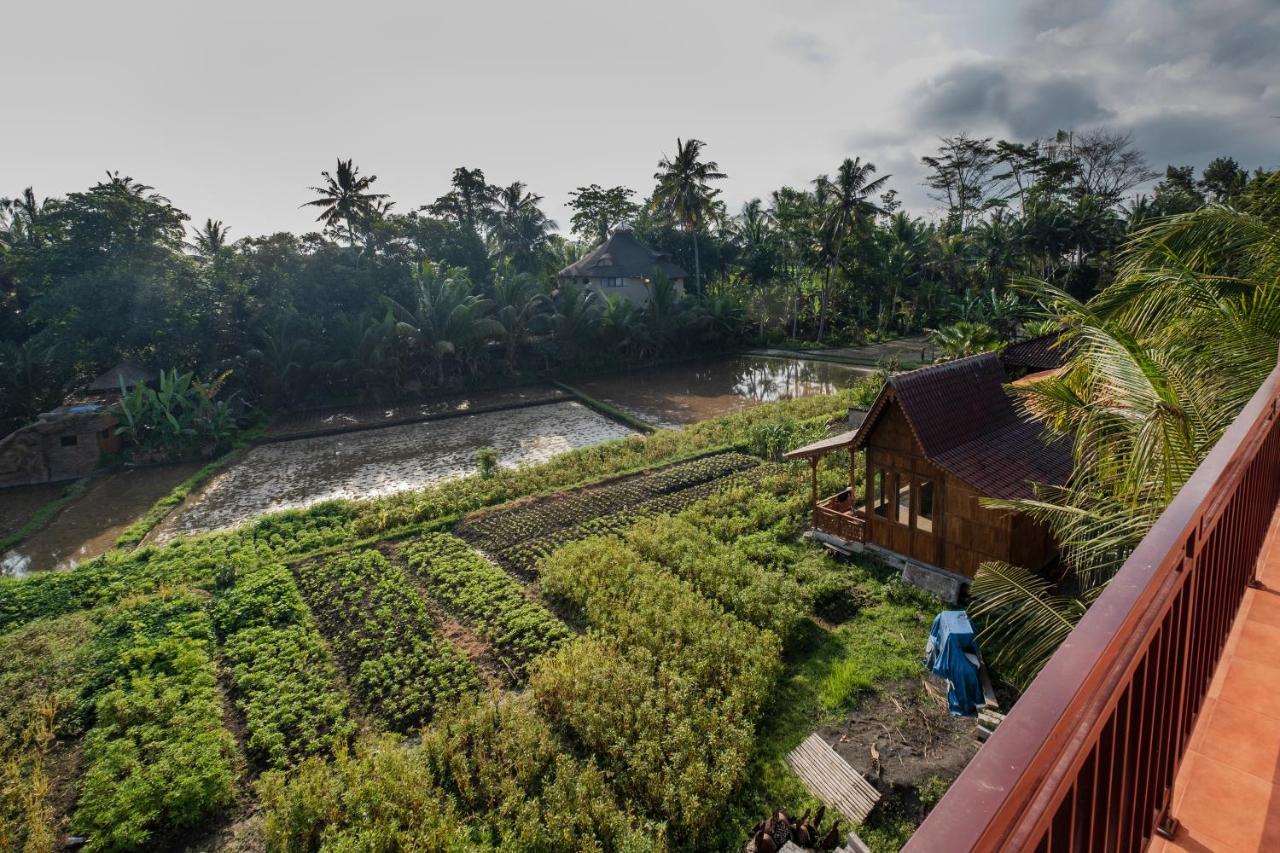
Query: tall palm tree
[
  {"x": 684, "y": 191},
  {"x": 346, "y": 198},
  {"x": 210, "y": 239},
  {"x": 1162, "y": 361},
  {"x": 520, "y": 230},
  {"x": 846, "y": 211}
]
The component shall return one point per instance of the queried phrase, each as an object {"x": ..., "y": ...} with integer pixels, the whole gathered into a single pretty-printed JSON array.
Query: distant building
[
  {"x": 939, "y": 440},
  {"x": 623, "y": 266},
  {"x": 66, "y": 443}
]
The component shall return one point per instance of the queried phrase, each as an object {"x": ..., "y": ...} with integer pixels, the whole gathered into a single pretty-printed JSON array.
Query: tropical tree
[
  {"x": 209, "y": 240},
  {"x": 597, "y": 211},
  {"x": 519, "y": 306},
  {"x": 1162, "y": 361},
  {"x": 471, "y": 201},
  {"x": 846, "y": 211},
  {"x": 520, "y": 232},
  {"x": 963, "y": 339},
  {"x": 684, "y": 192},
  {"x": 346, "y": 199},
  {"x": 447, "y": 321},
  {"x": 574, "y": 320}
]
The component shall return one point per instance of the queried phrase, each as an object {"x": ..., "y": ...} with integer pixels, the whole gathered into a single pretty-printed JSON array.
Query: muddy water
[
  {"x": 89, "y": 525},
  {"x": 19, "y": 503},
  {"x": 685, "y": 393},
  {"x": 377, "y": 462}
]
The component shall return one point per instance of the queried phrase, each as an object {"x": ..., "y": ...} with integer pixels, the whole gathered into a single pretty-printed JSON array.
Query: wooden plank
[{"x": 830, "y": 778}]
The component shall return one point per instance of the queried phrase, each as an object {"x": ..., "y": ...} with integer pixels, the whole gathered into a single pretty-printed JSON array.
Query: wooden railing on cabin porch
[
  {"x": 1087, "y": 758},
  {"x": 838, "y": 516}
]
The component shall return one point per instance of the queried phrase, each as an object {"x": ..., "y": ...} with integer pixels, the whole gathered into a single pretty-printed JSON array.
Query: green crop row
[
  {"x": 44, "y": 669},
  {"x": 196, "y": 562},
  {"x": 522, "y": 557},
  {"x": 537, "y": 518},
  {"x": 486, "y": 598},
  {"x": 283, "y": 680},
  {"x": 487, "y": 776},
  {"x": 157, "y": 758},
  {"x": 384, "y": 636},
  {"x": 764, "y": 598},
  {"x": 666, "y": 687}
]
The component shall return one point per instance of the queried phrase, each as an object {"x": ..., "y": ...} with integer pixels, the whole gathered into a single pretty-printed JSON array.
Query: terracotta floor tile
[
  {"x": 1243, "y": 739},
  {"x": 1265, "y": 607},
  {"x": 1258, "y": 641},
  {"x": 1253, "y": 685},
  {"x": 1226, "y": 804},
  {"x": 1202, "y": 724}
]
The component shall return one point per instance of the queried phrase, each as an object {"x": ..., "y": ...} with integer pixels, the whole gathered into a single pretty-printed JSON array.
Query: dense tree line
[{"x": 381, "y": 303}]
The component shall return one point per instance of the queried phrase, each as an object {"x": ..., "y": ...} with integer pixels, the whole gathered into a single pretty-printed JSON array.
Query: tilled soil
[{"x": 903, "y": 736}]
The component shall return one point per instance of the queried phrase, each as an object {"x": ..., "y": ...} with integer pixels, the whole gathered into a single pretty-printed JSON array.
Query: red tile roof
[
  {"x": 1043, "y": 353},
  {"x": 966, "y": 424}
]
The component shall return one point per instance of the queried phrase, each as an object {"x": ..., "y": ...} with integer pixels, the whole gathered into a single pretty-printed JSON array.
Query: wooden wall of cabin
[
  {"x": 975, "y": 533},
  {"x": 893, "y": 449}
]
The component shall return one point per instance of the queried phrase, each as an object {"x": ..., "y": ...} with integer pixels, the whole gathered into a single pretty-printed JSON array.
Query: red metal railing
[
  {"x": 840, "y": 517},
  {"x": 1087, "y": 757}
]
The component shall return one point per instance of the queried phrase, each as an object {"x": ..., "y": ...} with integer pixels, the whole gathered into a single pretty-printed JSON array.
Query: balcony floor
[{"x": 1227, "y": 794}]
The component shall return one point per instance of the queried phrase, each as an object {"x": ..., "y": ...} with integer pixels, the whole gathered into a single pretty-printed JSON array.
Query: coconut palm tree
[
  {"x": 846, "y": 210},
  {"x": 346, "y": 198},
  {"x": 684, "y": 191},
  {"x": 210, "y": 239},
  {"x": 1162, "y": 361},
  {"x": 519, "y": 307},
  {"x": 574, "y": 320},
  {"x": 520, "y": 230},
  {"x": 447, "y": 321}
]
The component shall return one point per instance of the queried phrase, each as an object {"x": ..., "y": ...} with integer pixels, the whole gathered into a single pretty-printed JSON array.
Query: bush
[
  {"x": 157, "y": 758},
  {"x": 486, "y": 598},
  {"x": 684, "y": 680}
]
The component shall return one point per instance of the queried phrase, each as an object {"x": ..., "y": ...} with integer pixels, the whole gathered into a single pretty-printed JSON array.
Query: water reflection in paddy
[
  {"x": 376, "y": 462},
  {"x": 684, "y": 393}
]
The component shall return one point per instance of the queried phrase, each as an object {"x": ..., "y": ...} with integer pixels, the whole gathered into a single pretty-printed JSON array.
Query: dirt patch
[{"x": 903, "y": 736}]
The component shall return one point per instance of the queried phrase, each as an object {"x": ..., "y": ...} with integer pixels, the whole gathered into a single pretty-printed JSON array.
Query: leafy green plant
[
  {"x": 283, "y": 680},
  {"x": 486, "y": 462},
  {"x": 486, "y": 598},
  {"x": 157, "y": 757},
  {"x": 179, "y": 417},
  {"x": 384, "y": 636}
]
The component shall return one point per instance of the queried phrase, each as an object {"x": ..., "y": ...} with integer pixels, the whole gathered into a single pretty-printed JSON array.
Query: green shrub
[{"x": 684, "y": 681}]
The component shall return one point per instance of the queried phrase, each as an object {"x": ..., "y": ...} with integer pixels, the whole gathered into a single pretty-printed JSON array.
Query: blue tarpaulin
[{"x": 952, "y": 654}]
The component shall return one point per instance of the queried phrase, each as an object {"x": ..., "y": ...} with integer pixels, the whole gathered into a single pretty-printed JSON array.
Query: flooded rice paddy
[
  {"x": 377, "y": 462},
  {"x": 89, "y": 525},
  {"x": 685, "y": 393}
]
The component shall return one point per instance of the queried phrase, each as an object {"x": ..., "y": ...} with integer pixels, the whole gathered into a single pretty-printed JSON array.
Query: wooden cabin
[{"x": 937, "y": 441}]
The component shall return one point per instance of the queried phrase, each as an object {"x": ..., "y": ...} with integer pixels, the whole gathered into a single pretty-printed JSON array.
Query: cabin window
[
  {"x": 881, "y": 499},
  {"x": 924, "y": 507},
  {"x": 68, "y": 441},
  {"x": 902, "y": 506}
]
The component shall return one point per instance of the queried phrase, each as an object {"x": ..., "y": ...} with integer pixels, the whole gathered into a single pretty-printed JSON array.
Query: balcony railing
[
  {"x": 838, "y": 516},
  {"x": 1087, "y": 757}
]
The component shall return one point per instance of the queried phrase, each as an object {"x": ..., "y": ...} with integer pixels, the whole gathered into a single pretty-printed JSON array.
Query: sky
[{"x": 232, "y": 109}]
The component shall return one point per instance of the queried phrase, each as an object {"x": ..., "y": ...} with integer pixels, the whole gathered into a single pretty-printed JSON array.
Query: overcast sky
[{"x": 232, "y": 109}]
